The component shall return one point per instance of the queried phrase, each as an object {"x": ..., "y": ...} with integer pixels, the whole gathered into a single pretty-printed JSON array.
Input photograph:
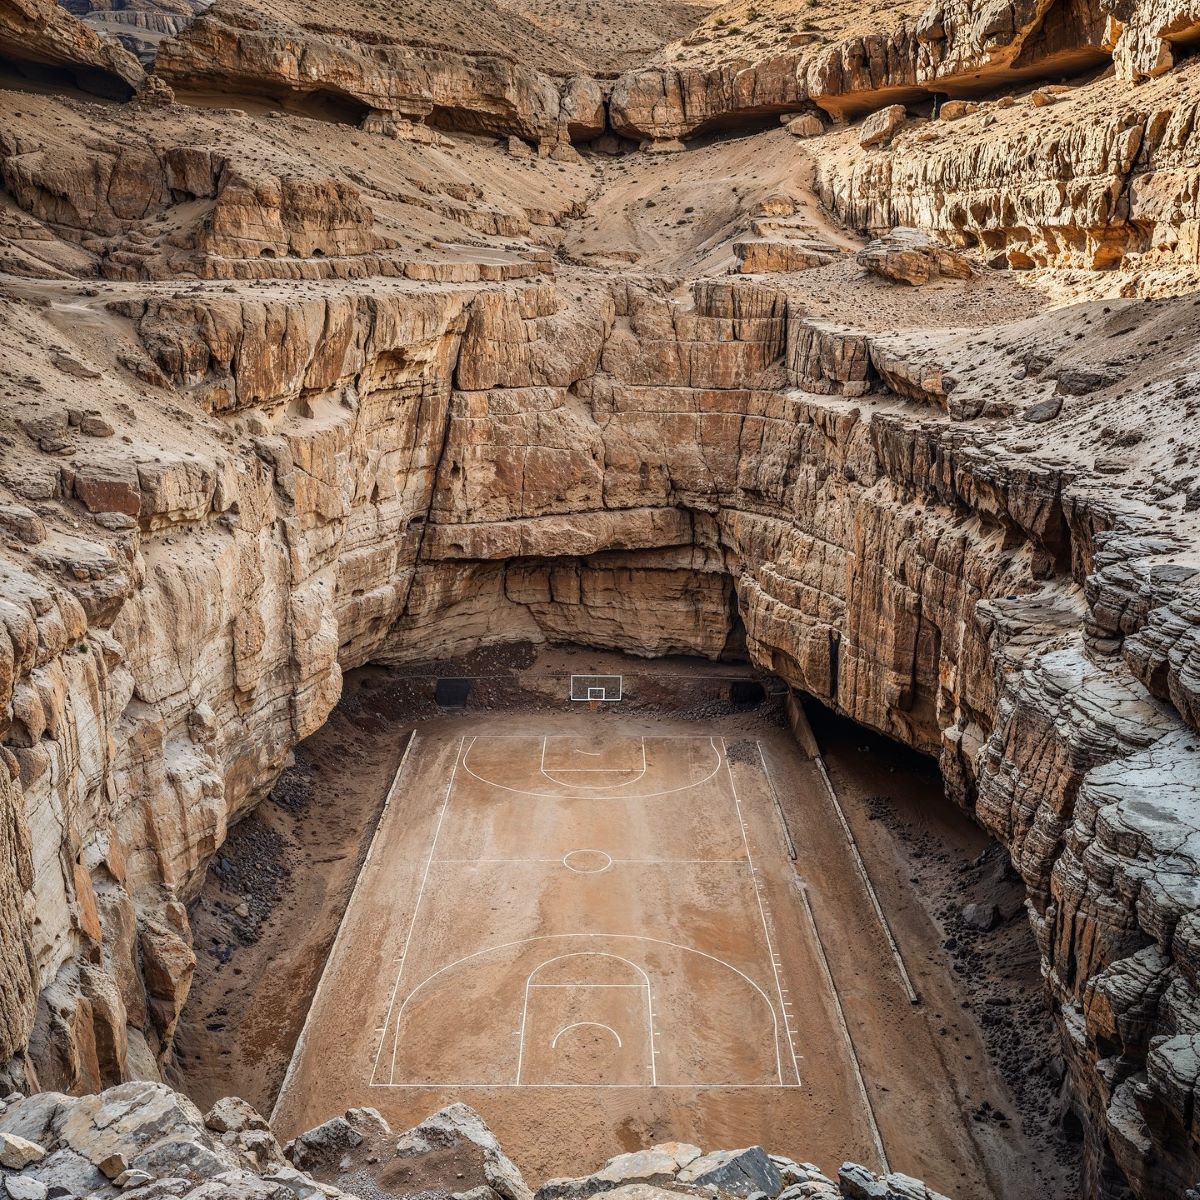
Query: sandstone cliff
[
  {"x": 40, "y": 39},
  {"x": 434, "y": 468},
  {"x": 242, "y": 53}
]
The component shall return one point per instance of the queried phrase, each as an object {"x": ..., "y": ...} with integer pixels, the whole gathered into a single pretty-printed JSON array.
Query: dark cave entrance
[
  {"x": 71, "y": 79},
  {"x": 452, "y": 693},
  {"x": 747, "y": 693}
]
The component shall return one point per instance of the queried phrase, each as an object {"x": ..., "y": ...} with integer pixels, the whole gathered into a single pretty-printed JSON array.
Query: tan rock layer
[
  {"x": 39, "y": 34},
  {"x": 954, "y": 47},
  {"x": 1088, "y": 190},
  {"x": 242, "y": 53}
]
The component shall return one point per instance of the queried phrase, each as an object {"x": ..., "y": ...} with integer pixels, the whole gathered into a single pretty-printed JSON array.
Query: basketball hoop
[{"x": 597, "y": 689}]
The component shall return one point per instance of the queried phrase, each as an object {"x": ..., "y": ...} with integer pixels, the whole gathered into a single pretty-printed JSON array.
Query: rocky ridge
[
  {"x": 37, "y": 36},
  {"x": 145, "y": 1141}
]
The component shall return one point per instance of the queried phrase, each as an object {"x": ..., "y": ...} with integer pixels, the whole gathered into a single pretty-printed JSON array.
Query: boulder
[
  {"x": 807, "y": 125},
  {"x": 324, "y": 1147},
  {"x": 112, "y": 1166},
  {"x": 232, "y": 1115},
  {"x": 982, "y": 916},
  {"x": 659, "y": 1164},
  {"x": 881, "y": 126},
  {"x": 482, "y": 1192},
  {"x": 25, "y": 1187},
  {"x": 857, "y": 1183},
  {"x": 23, "y": 523},
  {"x": 17, "y": 1152},
  {"x": 458, "y": 1123},
  {"x": 735, "y": 1172},
  {"x": 955, "y": 110},
  {"x": 910, "y": 256},
  {"x": 1044, "y": 410},
  {"x": 130, "y": 1179},
  {"x": 759, "y": 256}
]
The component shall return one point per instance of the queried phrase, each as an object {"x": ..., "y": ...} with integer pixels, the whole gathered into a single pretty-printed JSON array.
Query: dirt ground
[
  {"x": 941, "y": 1079},
  {"x": 588, "y": 916},
  {"x": 921, "y": 846},
  {"x": 271, "y": 904}
]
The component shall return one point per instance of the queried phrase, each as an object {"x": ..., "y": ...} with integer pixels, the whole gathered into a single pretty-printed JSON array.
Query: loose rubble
[{"x": 145, "y": 1141}]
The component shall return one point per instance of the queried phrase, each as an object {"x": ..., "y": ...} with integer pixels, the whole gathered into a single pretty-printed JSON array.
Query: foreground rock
[
  {"x": 143, "y": 1140},
  {"x": 910, "y": 256}
]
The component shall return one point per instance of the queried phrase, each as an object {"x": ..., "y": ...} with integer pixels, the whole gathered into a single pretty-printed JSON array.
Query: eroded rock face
[
  {"x": 950, "y": 47},
  {"x": 246, "y": 53},
  {"x": 428, "y": 470},
  {"x": 1098, "y": 187},
  {"x": 910, "y": 256},
  {"x": 399, "y": 459},
  {"x": 39, "y": 37}
]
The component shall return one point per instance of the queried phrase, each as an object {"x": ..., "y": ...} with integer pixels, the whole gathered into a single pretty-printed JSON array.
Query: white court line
[
  {"x": 787, "y": 833},
  {"x": 841, "y": 1015},
  {"x": 592, "y": 787},
  {"x": 638, "y": 862},
  {"x": 593, "y": 1024},
  {"x": 588, "y": 954},
  {"x": 637, "y": 986},
  {"x": 327, "y": 969},
  {"x": 537, "y": 735},
  {"x": 679, "y": 1087},
  {"x": 856, "y": 854},
  {"x": 416, "y": 909},
  {"x": 634, "y": 937},
  {"x": 761, "y": 913},
  {"x": 554, "y": 796}
]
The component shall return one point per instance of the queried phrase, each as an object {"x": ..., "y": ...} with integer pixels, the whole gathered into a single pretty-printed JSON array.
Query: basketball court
[
  {"x": 637, "y": 846},
  {"x": 566, "y": 917}
]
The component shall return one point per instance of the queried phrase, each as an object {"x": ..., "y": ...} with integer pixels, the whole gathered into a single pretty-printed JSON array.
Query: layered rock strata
[
  {"x": 1101, "y": 183},
  {"x": 951, "y": 49},
  {"x": 43, "y": 40},
  {"x": 403, "y": 471},
  {"x": 218, "y": 497},
  {"x": 243, "y": 53}
]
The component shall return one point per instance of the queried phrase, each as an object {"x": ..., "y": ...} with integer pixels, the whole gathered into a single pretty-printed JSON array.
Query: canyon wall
[{"x": 426, "y": 471}]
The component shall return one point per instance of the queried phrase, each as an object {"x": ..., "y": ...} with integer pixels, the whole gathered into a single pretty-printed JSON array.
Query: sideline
[
  {"x": 775, "y": 960},
  {"x": 294, "y": 1061},
  {"x": 802, "y": 731},
  {"x": 787, "y": 833}
]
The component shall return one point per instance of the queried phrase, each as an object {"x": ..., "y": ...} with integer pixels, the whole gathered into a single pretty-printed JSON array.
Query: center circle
[{"x": 587, "y": 862}]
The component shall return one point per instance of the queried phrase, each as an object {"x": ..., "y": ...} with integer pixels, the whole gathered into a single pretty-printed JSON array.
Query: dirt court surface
[
  {"x": 590, "y": 917},
  {"x": 588, "y": 927},
  {"x": 590, "y": 911}
]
